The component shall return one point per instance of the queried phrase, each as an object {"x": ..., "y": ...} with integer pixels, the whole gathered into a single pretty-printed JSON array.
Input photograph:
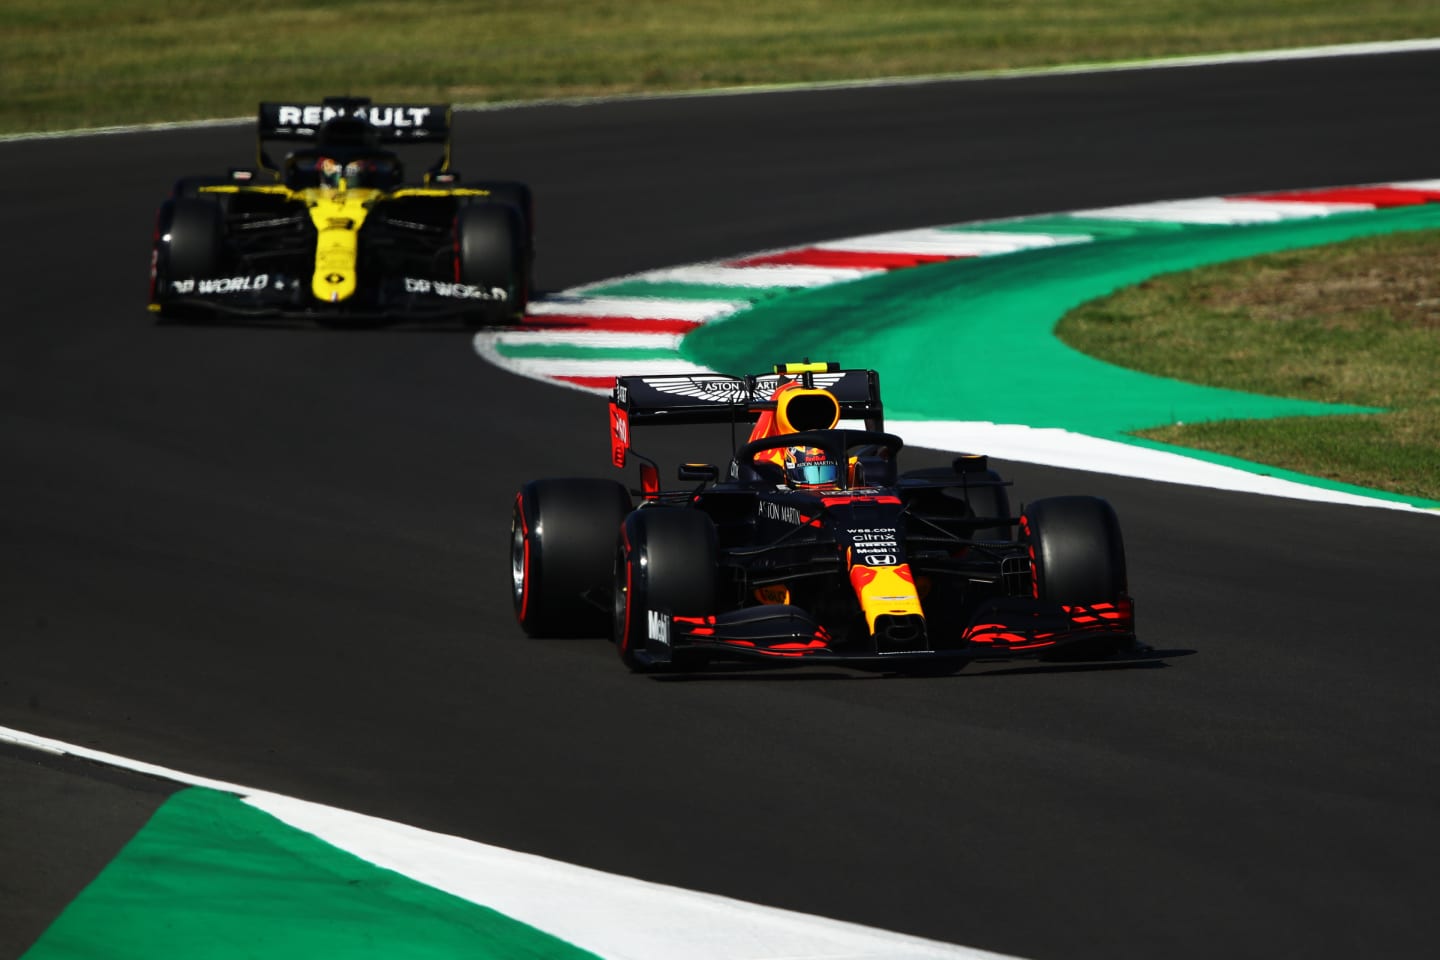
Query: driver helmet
[
  {"x": 331, "y": 172},
  {"x": 364, "y": 172},
  {"x": 810, "y": 467}
]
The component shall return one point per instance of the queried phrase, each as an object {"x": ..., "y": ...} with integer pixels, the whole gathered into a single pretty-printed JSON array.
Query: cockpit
[
  {"x": 378, "y": 170},
  {"x": 346, "y": 154}
]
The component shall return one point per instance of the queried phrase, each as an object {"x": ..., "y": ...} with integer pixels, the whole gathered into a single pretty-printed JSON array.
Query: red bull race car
[
  {"x": 334, "y": 231},
  {"x": 811, "y": 546}
]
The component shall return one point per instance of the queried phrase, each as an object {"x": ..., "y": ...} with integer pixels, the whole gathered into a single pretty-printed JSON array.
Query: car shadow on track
[{"x": 1148, "y": 659}]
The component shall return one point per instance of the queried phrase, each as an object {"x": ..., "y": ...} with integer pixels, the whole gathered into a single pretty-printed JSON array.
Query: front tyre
[
  {"x": 665, "y": 566},
  {"x": 562, "y": 538},
  {"x": 1076, "y": 552},
  {"x": 189, "y": 245},
  {"x": 196, "y": 238}
]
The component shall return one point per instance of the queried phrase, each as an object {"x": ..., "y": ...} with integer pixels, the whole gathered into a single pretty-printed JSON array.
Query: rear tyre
[
  {"x": 665, "y": 564},
  {"x": 519, "y": 196},
  {"x": 489, "y": 245},
  {"x": 1077, "y": 555},
  {"x": 562, "y": 539}
]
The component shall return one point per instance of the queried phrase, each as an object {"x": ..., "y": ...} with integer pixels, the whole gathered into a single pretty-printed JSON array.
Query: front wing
[
  {"x": 284, "y": 295},
  {"x": 1000, "y": 629}
]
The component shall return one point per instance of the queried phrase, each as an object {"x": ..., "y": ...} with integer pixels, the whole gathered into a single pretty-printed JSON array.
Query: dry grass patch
[
  {"x": 79, "y": 63},
  {"x": 1355, "y": 323}
]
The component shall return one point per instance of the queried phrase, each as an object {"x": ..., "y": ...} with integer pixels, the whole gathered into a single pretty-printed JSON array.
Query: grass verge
[
  {"x": 85, "y": 63},
  {"x": 1356, "y": 322}
]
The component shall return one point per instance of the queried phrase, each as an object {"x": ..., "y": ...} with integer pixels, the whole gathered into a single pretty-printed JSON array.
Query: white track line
[
  {"x": 643, "y": 308},
  {"x": 759, "y": 277},
  {"x": 974, "y": 241},
  {"x": 1365, "y": 49},
  {"x": 615, "y": 917},
  {"x": 1052, "y": 446},
  {"x": 1222, "y": 210},
  {"x": 588, "y": 339}
]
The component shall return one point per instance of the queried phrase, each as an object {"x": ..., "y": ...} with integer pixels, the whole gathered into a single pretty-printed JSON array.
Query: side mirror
[
  {"x": 703, "y": 472},
  {"x": 873, "y": 472}
]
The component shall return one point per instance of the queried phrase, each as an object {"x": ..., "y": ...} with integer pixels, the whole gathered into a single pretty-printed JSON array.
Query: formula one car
[
  {"x": 334, "y": 233},
  {"x": 812, "y": 547}
]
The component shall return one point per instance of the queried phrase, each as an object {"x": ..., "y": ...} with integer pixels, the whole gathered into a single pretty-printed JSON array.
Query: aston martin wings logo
[
  {"x": 711, "y": 389},
  {"x": 720, "y": 389}
]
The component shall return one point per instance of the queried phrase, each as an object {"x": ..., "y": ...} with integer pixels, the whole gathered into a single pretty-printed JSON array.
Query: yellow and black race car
[{"x": 334, "y": 232}]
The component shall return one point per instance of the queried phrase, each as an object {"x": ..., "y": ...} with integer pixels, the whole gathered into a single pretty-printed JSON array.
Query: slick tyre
[
  {"x": 490, "y": 254},
  {"x": 517, "y": 195},
  {"x": 1077, "y": 556},
  {"x": 665, "y": 565},
  {"x": 189, "y": 244},
  {"x": 562, "y": 540},
  {"x": 195, "y": 227}
]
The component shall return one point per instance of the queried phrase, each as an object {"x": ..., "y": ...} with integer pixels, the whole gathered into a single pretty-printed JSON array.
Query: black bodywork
[
  {"x": 278, "y": 240},
  {"x": 920, "y": 570}
]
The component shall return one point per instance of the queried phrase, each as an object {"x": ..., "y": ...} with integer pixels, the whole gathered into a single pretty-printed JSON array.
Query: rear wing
[
  {"x": 715, "y": 398},
  {"x": 382, "y": 124},
  {"x": 392, "y": 122}
]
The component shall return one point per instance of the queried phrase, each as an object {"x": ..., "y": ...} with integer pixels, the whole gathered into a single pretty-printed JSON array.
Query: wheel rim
[
  {"x": 621, "y": 601},
  {"x": 618, "y": 601},
  {"x": 517, "y": 564}
]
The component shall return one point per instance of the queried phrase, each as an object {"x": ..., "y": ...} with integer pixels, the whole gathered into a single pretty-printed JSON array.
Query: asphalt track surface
[{"x": 278, "y": 557}]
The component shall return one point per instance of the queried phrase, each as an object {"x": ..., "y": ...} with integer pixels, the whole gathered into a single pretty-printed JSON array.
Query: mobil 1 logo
[{"x": 876, "y": 546}]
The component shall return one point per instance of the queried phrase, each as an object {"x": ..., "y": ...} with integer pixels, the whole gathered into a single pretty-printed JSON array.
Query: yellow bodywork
[
  {"x": 885, "y": 591},
  {"x": 338, "y": 213}
]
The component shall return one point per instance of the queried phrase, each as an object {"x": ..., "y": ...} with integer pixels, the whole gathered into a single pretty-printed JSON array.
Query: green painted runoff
[
  {"x": 210, "y": 876},
  {"x": 973, "y": 339}
]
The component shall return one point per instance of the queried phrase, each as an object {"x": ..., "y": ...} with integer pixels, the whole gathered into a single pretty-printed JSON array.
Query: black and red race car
[
  {"x": 811, "y": 546},
  {"x": 336, "y": 232}
]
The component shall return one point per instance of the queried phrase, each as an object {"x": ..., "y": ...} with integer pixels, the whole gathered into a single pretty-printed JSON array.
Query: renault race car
[
  {"x": 812, "y": 546},
  {"x": 335, "y": 232}
]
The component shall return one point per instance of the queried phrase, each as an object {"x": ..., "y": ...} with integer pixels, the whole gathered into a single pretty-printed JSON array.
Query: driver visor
[{"x": 822, "y": 472}]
